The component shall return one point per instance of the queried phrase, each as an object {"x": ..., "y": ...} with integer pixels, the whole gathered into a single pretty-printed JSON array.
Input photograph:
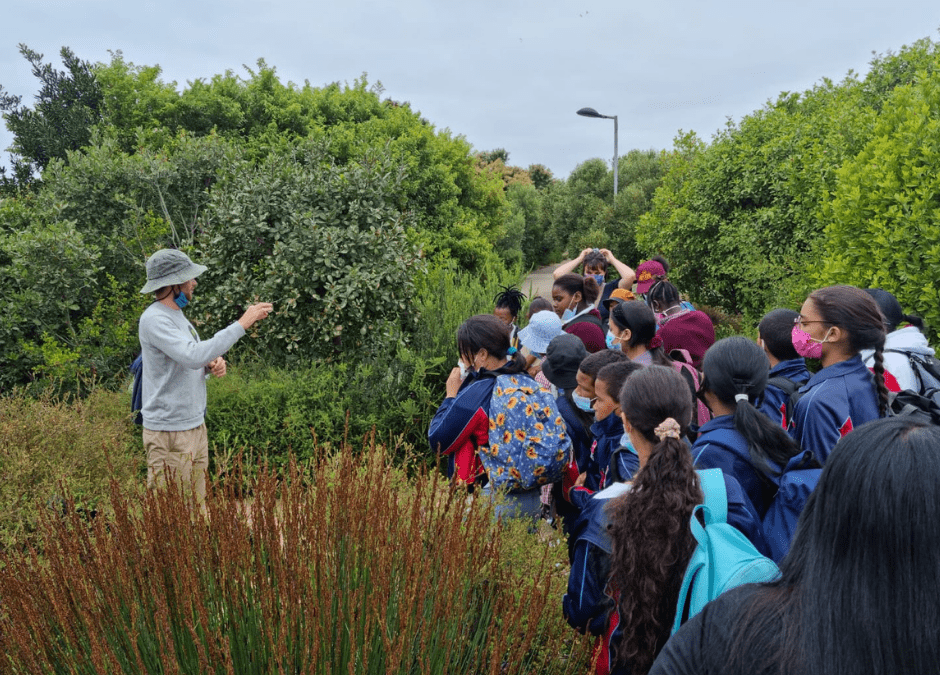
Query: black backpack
[
  {"x": 791, "y": 389},
  {"x": 924, "y": 406}
]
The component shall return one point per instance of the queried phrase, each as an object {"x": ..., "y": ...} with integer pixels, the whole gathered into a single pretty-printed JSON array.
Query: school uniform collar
[
  {"x": 854, "y": 365},
  {"x": 789, "y": 367},
  {"x": 608, "y": 427},
  {"x": 715, "y": 423}
]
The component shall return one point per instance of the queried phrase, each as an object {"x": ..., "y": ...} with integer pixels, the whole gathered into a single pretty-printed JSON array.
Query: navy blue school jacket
[
  {"x": 580, "y": 436},
  {"x": 836, "y": 400},
  {"x": 607, "y": 434},
  {"x": 586, "y": 605},
  {"x": 774, "y": 403},
  {"x": 720, "y": 446}
]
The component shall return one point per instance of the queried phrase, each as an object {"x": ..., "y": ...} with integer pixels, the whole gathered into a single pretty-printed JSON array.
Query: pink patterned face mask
[{"x": 805, "y": 345}]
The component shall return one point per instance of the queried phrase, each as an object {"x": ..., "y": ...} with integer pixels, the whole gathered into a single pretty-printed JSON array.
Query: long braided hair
[{"x": 854, "y": 311}]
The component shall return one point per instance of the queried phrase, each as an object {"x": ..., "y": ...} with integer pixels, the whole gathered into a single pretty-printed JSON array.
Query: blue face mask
[
  {"x": 181, "y": 300},
  {"x": 569, "y": 313},
  {"x": 610, "y": 341},
  {"x": 599, "y": 278},
  {"x": 582, "y": 402},
  {"x": 625, "y": 442}
]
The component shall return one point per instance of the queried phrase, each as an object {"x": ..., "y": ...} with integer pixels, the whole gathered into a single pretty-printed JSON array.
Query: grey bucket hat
[{"x": 169, "y": 267}]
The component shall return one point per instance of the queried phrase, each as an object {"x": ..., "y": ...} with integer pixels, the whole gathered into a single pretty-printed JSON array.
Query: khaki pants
[{"x": 182, "y": 456}]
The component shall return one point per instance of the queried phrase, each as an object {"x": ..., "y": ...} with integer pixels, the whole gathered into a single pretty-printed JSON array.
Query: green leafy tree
[
  {"x": 883, "y": 222},
  {"x": 67, "y": 105},
  {"x": 739, "y": 219}
]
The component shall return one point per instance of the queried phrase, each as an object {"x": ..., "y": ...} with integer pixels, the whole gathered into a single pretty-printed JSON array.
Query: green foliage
[
  {"x": 67, "y": 105},
  {"x": 98, "y": 351},
  {"x": 324, "y": 243},
  {"x": 883, "y": 222},
  {"x": 346, "y": 567},
  {"x": 47, "y": 271},
  {"x": 755, "y": 194},
  {"x": 448, "y": 199},
  {"x": 267, "y": 414},
  {"x": 50, "y": 448},
  {"x": 581, "y": 212},
  {"x": 445, "y": 297}
]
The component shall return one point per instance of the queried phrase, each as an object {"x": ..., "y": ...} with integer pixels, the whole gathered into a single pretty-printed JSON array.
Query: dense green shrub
[
  {"x": 325, "y": 244},
  {"x": 883, "y": 223},
  {"x": 51, "y": 448},
  {"x": 347, "y": 568}
]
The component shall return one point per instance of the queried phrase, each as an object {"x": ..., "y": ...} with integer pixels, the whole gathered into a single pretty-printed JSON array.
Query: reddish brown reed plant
[{"x": 346, "y": 569}]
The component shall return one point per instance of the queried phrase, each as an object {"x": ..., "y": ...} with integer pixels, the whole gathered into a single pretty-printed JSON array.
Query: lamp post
[{"x": 590, "y": 112}]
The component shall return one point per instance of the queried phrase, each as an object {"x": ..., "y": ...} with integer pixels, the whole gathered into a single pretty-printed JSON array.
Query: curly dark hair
[{"x": 652, "y": 542}]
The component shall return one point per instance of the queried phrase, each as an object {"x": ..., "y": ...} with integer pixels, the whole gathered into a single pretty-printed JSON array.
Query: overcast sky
[{"x": 503, "y": 74}]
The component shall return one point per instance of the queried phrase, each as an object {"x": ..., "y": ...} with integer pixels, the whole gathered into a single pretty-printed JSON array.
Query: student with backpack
[
  {"x": 835, "y": 324},
  {"x": 499, "y": 428},
  {"x": 634, "y": 327},
  {"x": 680, "y": 328},
  {"x": 907, "y": 355},
  {"x": 739, "y": 440},
  {"x": 857, "y": 593},
  {"x": 560, "y": 366},
  {"x": 650, "y": 530},
  {"x": 787, "y": 368}
]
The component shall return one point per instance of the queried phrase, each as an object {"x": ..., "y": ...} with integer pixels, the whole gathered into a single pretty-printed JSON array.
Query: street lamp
[{"x": 590, "y": 112}]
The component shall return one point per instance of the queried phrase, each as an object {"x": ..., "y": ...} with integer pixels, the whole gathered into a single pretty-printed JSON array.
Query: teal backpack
[{"x": 723, "y": 559}]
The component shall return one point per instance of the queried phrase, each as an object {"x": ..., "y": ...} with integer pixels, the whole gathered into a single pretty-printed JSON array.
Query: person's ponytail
[{"x": 766, "y": 441}]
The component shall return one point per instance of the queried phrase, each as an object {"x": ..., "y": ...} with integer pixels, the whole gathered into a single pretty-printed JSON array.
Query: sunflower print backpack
[{"x": 528, "y": 443}]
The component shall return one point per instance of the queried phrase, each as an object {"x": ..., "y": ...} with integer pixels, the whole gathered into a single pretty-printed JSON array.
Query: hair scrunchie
[
  {"x": 740, "y": 397},
  {"x": 656, "y": 342},
  {"x": 668, "y": 428},
  {"x": 511, "y": 351}
]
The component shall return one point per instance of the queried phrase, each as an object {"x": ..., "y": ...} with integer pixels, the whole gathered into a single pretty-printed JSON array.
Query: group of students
[{"x": 644, "y": 397}]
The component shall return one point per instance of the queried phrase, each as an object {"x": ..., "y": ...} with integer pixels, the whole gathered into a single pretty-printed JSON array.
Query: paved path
[{"x": 539, "y": 283}]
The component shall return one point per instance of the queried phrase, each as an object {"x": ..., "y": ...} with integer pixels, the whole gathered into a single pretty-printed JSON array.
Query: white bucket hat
[
  {"x": 543, "y": 326},
  {"x": 170, "y": 267}
]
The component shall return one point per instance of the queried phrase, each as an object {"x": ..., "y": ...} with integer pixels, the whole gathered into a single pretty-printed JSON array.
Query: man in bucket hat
[{"x": 175, "y": 366}]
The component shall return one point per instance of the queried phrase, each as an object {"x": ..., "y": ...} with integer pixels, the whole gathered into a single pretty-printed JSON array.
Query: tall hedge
[{"x": 883, "y": 223}]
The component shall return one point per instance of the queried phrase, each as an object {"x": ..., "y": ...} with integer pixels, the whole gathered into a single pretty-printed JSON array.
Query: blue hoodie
[
  {"x": 774, "y": 402},
  {"x": 836, "y": 400}
]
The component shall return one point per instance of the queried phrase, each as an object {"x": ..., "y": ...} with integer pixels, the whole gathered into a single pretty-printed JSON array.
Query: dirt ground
[{"x": 539, "y": 283}]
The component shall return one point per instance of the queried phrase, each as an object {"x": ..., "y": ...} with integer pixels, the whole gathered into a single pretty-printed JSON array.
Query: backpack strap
[
  {"x": 785, "y": 384},
  {"x": 715, "y": 508}
]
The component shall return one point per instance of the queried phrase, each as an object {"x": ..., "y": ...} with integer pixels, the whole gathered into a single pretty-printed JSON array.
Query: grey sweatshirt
[{"x": 174, "y": 367}]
